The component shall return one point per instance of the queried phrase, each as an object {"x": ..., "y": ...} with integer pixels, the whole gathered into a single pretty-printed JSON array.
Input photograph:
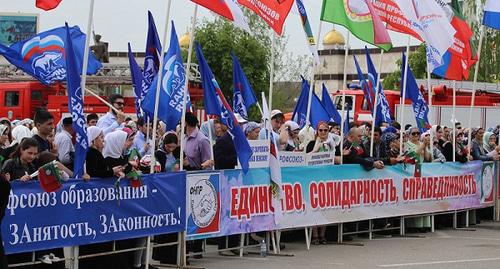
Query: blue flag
[
  {"x": 329, "y": 106},
  {"x": 43, "y": 56},
  {"x": 172, "y": 87},
  {"x": 383, "y": 109},
  {"x": 75, "y": 105},
  {"x": 364, "y": 85},
  {"x": 137, "y": 81},
  {"x": 318, "y": 112},
  {"x": 413, "y": 93},
  {"x": 346, "y": 121},
  {"x": 216, "y": 104},
  {"x": 243, "y": 95},
  {"x": 152, "y": 55}
]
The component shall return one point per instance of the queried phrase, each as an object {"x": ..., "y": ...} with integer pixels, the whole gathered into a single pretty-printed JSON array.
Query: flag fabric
[
  {"x": 228, "y": 9},
  {"x": 243, "y": 95},
  {"x": 347, "y": 118},
  {"x": 461, "y": 56},
  {"x": 172, "y": 86},
  {"x": 307, "y": 30},
  {"x": 390, "y": 13},
  {"x": 430, "y": 21},
  {"x": 492, "y": 14},
  {"x": 50, "y": 177},
  {"x": 420, "y": 108},
  {"x": 367, "y": 91},
  {"x": 329, "y": 106},
  {"x": 42, "y": 56},
  {"x": 383, "y": 109},
  {"x": 274, "y": 164},
  {"x": 137, "y": 79},
  {"x": 318, "y": 111},
  {"x": 151, "y": 56},
  {"x": 216, "y": 104},
  {"x": 273, "y": 12},
  {"x": 360, "y": 18},
  {"x": 47, "y": 4},
  {"x": 75, "y": 105}
]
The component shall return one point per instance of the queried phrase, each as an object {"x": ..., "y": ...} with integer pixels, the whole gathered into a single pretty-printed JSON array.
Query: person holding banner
[
  {"x": 490, "y": 144},
  {"x": 289, "y": 135},
  {"x": 461, "y": 152},
  {"x": 252, "y": 130},
  {"x": 96, "y": 165},
  {"x": 116, "y": 143},
  {"x": 354, "y": 151},
  {"x": 478, "y": 151},
  {"x": 4, "y": 200}
]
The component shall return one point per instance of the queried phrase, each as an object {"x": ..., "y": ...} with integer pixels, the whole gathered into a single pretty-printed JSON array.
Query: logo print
[
  {"x": 174, "y": 79},
  {"x": 47, "y": 55},
  {"x": 203, "y": 202}
]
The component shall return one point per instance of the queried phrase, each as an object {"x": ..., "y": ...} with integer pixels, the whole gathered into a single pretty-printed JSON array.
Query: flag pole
[
  {"x": 403, "y": 97},
  {"x": 271, "y": 73},
  {"x": 429, "y": 96},
  {"x": 344, "y": 82},
  {"x": 158, "y": 85},
  {"x": 454, "y": 118},
  {"x": 376, "y": 101},
  {"x": 86, "y": 52},
  {"x": 186, "y": 87},
  {"x": 476, "y": 71},
  {"x": 313, "y": 71}
]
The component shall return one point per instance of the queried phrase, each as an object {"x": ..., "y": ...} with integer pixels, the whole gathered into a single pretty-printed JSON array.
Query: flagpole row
[
  {"x": 403, "y": 97},
  {"x": 313, "y": 71},
  {"x": 86, "y": 52},
  {"x": 158, "y": 86},
  {"x": 476, "y": 72},
  {"x": 271, "y": 73},
  {"x": 186, "y": 88},
  {"x": 429, "y": 96},
  {"x": 344, "y": 82},
  {"x": 454, "y": 118},
  {"x": 376, "y": 101}
]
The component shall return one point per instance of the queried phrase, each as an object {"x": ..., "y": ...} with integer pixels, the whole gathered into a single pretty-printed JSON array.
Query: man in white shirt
[
  {"x": 64, "y": 142},
  {"x": 112, "y": 120},
  {"x": 140, "y": 142}
]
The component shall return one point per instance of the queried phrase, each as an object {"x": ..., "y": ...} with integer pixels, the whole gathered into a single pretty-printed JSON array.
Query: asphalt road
[{"x": 443, "y": 249}]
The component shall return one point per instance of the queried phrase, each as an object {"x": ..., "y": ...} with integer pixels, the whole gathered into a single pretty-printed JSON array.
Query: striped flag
[
  {"x": 228, "y": 9},
  {"x": 492, "y": 14}
]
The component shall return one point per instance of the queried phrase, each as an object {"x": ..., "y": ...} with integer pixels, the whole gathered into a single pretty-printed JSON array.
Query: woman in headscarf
[
  {"x": 4, "y": 139},
  {"x": 478, "y": 151},
  {"x": 116, "y": 147},
  {"x": 436, "y": 155},
  {"x": 490, "y": 144},
  {"x": 461, "y": 152},
  {"x": 252, "y": 130},
  {"x": 289, "y": 136},
  {"x": 96, "y": 166},
  {"x": 6, "y": 122},
  {"x": 390, "y": 144},
  {"x": 413, "y": 146}
]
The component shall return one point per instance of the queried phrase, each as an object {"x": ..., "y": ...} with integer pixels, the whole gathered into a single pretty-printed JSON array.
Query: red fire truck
[{"x": 21, "y": 99}]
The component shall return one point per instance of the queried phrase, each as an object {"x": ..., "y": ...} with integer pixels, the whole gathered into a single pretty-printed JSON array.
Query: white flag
[{"x": 429, "y": 20}]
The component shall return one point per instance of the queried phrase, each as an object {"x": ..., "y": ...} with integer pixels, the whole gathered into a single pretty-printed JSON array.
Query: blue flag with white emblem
[
  {"x": 318, "y": 111},
  {"x": 75, "y": 105},
  {"x": 152, "y": 56},
  {"x": 243, "y": 95},
  {"x": 216, "y": 104},
  {"x": 329, "y": 106},
  {"x": 172, "y": 87},
  {"x": 383, "y": 109},
  {"x": 420, "y": 108},
  {"x": 43, "y": 56}
]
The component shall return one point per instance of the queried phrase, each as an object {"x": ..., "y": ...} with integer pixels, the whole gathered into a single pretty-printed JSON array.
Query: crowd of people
[{"x": 119, "y": 145}]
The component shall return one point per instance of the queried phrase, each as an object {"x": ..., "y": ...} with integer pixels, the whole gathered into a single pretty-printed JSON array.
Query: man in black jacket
[
  {"x": 4, "y": 200},
  {"x": 357, "y": 152}
]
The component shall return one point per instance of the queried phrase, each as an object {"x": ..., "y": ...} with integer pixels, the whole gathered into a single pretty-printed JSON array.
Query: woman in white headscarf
[
  {"x": 116, "y": 148},
  {"x": 18, "y": 134},
  {"x": 95, "y": 163},
  {"x": 4, "y": 136}
]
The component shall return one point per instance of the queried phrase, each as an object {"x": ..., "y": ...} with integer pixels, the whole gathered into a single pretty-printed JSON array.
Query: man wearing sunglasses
[{"x": 112, "y": 120}]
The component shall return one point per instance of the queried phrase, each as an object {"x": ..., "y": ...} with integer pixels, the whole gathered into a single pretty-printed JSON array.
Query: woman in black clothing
[
  {"x": 21, "y": 166},
  {"x": 96, "y": 166},
  {"x": 168, "y": 154},
  {"x": 461, "y": 151},
  {"x": 116, "y": 147}
]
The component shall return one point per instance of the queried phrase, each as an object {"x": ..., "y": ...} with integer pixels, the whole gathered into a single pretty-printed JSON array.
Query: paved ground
[{"x": 443, "y": 249}]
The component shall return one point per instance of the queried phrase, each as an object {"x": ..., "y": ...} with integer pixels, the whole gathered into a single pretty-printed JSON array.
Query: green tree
[{"x": 418, "y": 66}]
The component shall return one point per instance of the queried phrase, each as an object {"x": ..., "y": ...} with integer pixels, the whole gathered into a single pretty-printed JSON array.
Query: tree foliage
[{"x": 418, "y": 66}]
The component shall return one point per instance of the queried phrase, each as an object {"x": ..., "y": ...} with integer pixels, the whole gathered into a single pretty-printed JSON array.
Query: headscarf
[
  {"x": 92, "y": 133},
  {"x": 3, "y": 128},
  {"x": 486, "y": 142},
  {"x": 475, "y": 131},
  {"x": 114, "y": 144},
  {"x": 293, "y": 125},
  {"x": 387, "y": 138},
  {"x": 252, "y": 125},
  {"x": 19, "y": 133},
  {"x": 390, "y": 129}
]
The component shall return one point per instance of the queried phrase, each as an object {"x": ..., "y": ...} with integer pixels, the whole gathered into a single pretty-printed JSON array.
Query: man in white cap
[{"x": 277, "y": 119}]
